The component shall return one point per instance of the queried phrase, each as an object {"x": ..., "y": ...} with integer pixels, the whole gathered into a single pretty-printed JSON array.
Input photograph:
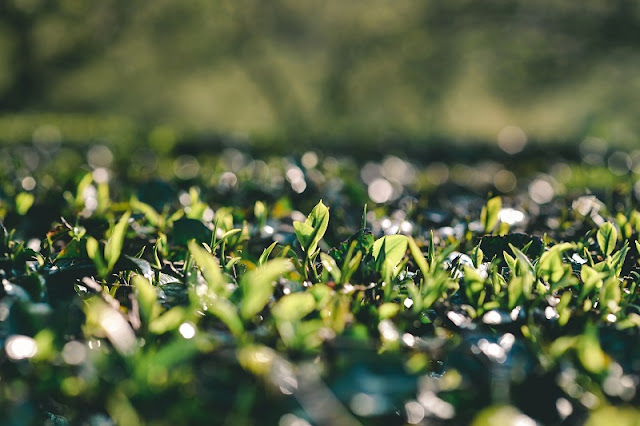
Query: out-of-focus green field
[{"x": 321, "y": 71}]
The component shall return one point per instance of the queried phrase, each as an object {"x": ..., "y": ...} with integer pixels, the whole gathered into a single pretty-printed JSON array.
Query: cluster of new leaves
[{"x": 137, "y": 307}]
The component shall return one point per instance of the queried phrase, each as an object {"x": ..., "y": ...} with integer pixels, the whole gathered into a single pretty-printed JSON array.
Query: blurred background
[{"x": 284, "y": 72}]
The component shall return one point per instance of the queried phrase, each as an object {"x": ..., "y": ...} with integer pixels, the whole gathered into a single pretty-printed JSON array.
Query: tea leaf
[
  {"x": 257, "y": 286},
  {"x": 226, "y": 311},
  {"x": 388, "y": 310},
  {"x": 391, "y": 247},
  {"x": 590, "y": 353},
  {"x": 93, "y": 251},
  {"x": 295, "y": 306},
  {"x": 24, "y": 201},
  {"x": 149, "y": 212},
  {"x": 266, "y": 252},
  {"x": 329, "y": 264},
  {"x": 147, "y": 297},
  {"x": 311, "y": 231},
  {"x": 113, "y": 248},
  {"x": 185, "y": 230},
  {"x": 418, "y": 257},
  {"x": 489, "y": 214},
  {"x": 607, "y": 236},
  {"x": 210, "y": 269}
]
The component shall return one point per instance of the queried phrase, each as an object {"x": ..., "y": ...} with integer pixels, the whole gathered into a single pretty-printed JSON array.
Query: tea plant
[{"x": 191, "y": 313}]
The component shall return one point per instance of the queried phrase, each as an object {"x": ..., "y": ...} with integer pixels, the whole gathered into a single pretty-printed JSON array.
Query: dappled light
[
  {"x": 215, "y": 278},
  {"x": 319, "y": 213}
]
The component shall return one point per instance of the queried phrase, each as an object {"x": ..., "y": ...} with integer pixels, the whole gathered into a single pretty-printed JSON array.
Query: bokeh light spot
[
  {"x": 593, "y": 150},
  {"x": 187, "y": 330},
  {"x": 512, "y": 139},
  {"x": 309, "y": 159},
  {"x": 510, "y": 216},
  {"x": 620, "y": 163},
  {"x": 414, "y": 411},
  {"x": 28, "y": 183},
  {"x": 380, "y": 190},
  {"x": 186, "y": 167},
  {"x": 74, "y": 353},
  {"x": 504, "y": 181},
  {"x": 363, "y": 404},
  {"x": 541, "y": 191},
  {"x": 100, "y": 175},
  {"x": 99, "y": 156},
  {"x": 21, "y": 347},
  {"x": 564, "y": 407},
  {"x": 292, "y": 420}
]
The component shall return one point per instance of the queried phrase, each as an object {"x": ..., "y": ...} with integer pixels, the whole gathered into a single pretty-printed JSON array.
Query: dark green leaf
[{"x": 185, "y": 230}]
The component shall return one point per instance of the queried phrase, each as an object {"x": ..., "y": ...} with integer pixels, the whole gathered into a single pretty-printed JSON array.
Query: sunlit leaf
[
  {"x": 311, "y": 231},
  {"x": 388, "y": 310},
  {"x": 149, "y": 212},
  {"x": 418, "y": 257},
  {"x": 590, "y": 353},
  {"x": 618, "y": 258},
  {"x": 257, "y": 359},
  {"x": 266, "y": 253},
  {"x": 147, "y": 297},
  {"x": 168, "y": 321},
  {"x": 550, "y": 267},
  {"x": 394, "y": 247},
  {"x": 610, "y": 294},
  {"x": 210, "y": 269},
  {"x": 93, "y": 251},
  {"x": 226, "y": 311},
  {"x": 24, "y": 201},
  {"x": 351, "y": 267},
  {"x": 607, "y": 236},
  {"x": 113, "y": 248},
  {"x": 105, "y": 321},
  {"x": 516, "y": 289},
  {"x": 591, "y": 279},
  {"x": 489, "y": 214},
  {"x": 293, "y": 307},
  {"x": 523, "y": 260},
  {"x": 257, "y": 285},
  {"x": 329, "y": 264}
]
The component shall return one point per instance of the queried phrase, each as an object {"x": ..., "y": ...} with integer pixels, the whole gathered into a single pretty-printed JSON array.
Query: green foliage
[
  {"x": 489, "y": 214},
  {"x": 113, "y": 247},
  {"x": 294, "y": 307},
  {"x": 136, "y": 304},
  {"x": 185, "y": 230},
  {"x": 607, "y": 237},
  {"x": 309, "y": 234},
  {"x": 390, "y": 248},
  {"x": 311, "y": 231},
  {"x": 257, "y": 286},
  {"x": 210, "y": 269},
  {"x": 24, "y": 201}
]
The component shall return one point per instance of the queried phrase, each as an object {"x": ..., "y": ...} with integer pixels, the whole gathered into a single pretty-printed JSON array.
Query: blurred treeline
[{"x": 420, "y": 70}]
